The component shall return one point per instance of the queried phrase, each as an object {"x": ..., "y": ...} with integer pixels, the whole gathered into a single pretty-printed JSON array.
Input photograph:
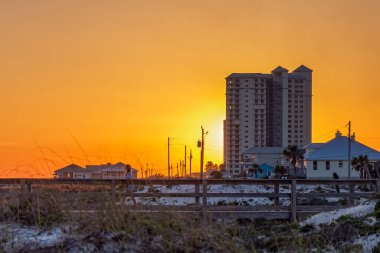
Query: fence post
[
  {"x": 28, "y": 187},
  {"x": 22, "y": 186},
  {"x": 204, "y": 197},
  {"x": 197, "y": 191},
  {"x": 352, "y": 190},
  {"x": 293, "y": 201},
  {"x": 377, "y": 186},
  {"x": 276, "y": 190},
  {"x": 113, "y": 191}
]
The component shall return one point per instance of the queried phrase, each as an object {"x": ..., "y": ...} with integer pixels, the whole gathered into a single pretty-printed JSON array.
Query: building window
[
  {"x": 315, "y": 165},
  {"x": 327, "y": 165},
  {"x": 340, "y": 164}
]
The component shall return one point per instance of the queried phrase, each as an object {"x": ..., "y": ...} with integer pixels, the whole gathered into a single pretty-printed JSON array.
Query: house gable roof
[
  {"x": 96, "y": 168},
  {"x": 70, "y": 169},
  {"x": 120, "y": 167},
  {"x": 116, "y": 167},
  {"x": 266, "y": 167},
  {"x": 337, "y": 150},
  {"x": 314, "y": 145}
]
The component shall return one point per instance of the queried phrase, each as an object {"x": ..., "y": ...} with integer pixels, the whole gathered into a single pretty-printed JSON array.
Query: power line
[{"x": 333, "y": 131}]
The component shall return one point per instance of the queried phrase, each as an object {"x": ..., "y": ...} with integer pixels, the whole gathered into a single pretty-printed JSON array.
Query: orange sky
[{"x": 97, "y": 81}]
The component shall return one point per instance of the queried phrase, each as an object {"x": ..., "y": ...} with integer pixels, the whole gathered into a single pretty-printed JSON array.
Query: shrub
[
  {"x": 376, "y": 249},
  {"x": 377, "y": 206},
  {"x": 41, "y": 210},
  {"x": 216, "y": 175}
]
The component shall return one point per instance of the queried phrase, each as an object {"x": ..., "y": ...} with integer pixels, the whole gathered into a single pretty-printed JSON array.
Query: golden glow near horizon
[{"x": 107, "y": 81}]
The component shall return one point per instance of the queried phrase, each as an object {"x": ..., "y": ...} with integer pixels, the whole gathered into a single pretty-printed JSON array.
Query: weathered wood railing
[{"x": 286, "y": 188}]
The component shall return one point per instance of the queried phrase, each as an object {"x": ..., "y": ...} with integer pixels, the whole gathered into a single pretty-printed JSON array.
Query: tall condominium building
[{"x": 266, "y": 110}]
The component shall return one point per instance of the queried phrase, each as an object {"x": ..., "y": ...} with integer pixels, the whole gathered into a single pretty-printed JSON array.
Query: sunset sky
[{"x": 107, "y": 81}]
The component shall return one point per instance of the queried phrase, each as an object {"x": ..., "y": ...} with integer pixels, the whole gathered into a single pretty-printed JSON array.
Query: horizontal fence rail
[{"x": 276, "y": 189}]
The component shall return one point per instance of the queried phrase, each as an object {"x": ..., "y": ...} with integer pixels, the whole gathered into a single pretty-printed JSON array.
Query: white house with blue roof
[{"x": 323, "y": 159}]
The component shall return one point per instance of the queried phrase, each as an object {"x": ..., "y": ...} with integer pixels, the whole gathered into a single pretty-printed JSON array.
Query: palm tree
[
  {"x": 361, "y": 164},
  {"x": 294, "y": 155},
  {"x": 279, "y": 170}
]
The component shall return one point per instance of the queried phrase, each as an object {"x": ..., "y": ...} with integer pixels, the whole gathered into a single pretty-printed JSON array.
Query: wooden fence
[{"x": 300, "y": 203}]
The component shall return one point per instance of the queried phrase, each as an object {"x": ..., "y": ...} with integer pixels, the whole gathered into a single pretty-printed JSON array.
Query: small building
[
  {"x": 323, "y": 159},
  {"x": 266, "y": 171},
  {"x": 71, "y": 171},
  {"x": 96, "y": 171},
  {"x": 117, "y": 171},
  {"x": 102, "y": 171},
  {"x": 271, "y": 156}
]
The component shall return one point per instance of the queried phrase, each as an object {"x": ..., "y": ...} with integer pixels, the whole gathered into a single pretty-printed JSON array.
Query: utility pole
[
  {"x": 177, "y": 169},
  {"x": 349, "y": 150},
  {"x": 168, "y": 157},
  {"x": 202, "y": 151},
  {"x": 180, "y": 167},
  {"x": 185, "y": 161},
  {"x": 201, "y": 144},
  {"x": 191, "y": 157}
]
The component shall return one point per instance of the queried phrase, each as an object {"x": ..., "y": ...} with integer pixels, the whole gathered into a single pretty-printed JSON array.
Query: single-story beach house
[
  {"x": 102, "y": 171},
  {"x": 324, "y": 159}
]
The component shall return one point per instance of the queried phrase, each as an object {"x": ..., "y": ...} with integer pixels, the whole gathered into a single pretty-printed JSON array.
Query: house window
[
  {"x": 315, "y": 165},
  {"x": 327, "y": 165},
  {"x": 340, "y": 164}
]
